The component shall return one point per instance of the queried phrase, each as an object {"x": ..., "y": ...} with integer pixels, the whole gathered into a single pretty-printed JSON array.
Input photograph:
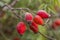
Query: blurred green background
[{"x": 8, "y": 21}]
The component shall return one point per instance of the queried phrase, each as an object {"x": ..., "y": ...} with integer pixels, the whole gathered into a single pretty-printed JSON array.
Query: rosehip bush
[{"x": 29, "y": 20}]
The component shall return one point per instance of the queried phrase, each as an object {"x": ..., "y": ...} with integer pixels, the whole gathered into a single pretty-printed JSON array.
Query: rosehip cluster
[
  {"x": 33, "y": 21},
  {"x": 56, "y": 24}
]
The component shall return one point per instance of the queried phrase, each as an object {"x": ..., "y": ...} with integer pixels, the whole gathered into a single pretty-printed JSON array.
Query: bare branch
[
  {"x": 46, "y": 36},
  {"x": 13, "y": 11},
  {"x": 14, "y": 2}
]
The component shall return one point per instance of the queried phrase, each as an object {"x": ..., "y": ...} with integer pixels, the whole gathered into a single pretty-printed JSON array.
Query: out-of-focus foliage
[{"x": 9, "y": 21}]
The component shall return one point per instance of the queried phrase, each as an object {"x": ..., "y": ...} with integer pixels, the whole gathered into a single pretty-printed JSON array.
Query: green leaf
[
  {"x": 43, "y": 30},
  {"x": 29, "y": 35},
  {"x": 41, "y": 6},
  {"x": 52, "y": 11}
]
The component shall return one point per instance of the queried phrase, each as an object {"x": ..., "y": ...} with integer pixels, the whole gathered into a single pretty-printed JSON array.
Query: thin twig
[
  {"x": 14, "y": 12},
  {"x": 46, "y": 36},
  {"x": 31, "y": 11},
  {"x": 14, "y": 2},
  {"x": 24, "y": 9},
  {"x": 19, "y": 8}
]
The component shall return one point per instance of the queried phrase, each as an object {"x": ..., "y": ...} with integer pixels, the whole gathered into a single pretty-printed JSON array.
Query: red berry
[
  {"x": 54, "y": 26},
  {"x": 34, "y": 27},
  {"x": 38, "y": 20},
  {"x": 21, "y": 28},
  {"x": 43, "y": 14},
  {"x": 28, "y": 16},
  {"x": 57, "y": 22}
]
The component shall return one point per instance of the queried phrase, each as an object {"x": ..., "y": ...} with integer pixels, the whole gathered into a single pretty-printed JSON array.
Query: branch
[
  {"x": 13, "y": 11},
  {"x": 46, "y": 36},
  {"x": 33, "y": 12},
  {"x": 24, "y": 9},
  {"x": 14, "y": 2}
]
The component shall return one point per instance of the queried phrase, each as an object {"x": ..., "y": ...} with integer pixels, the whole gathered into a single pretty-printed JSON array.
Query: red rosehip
[
  {"x": 57, "y": 22},
  {"x": 38, "y": 20},
  {"x": 28, "y": 17},
  {"x": 54, "y": 26},
  {"x": 43, "y": 14},
  {"x": 34, "y": 27},
  {"x": 21, "y": 28}
]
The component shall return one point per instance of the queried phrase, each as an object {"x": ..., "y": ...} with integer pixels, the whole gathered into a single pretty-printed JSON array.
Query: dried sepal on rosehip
[
  {"x": 34, "y": 27},
  {"x": 21, "y": 28},
  {"x": 38, "y": 20},
  {"x": 28, "y": 17},
  {"x": 43, "y": 14}
]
